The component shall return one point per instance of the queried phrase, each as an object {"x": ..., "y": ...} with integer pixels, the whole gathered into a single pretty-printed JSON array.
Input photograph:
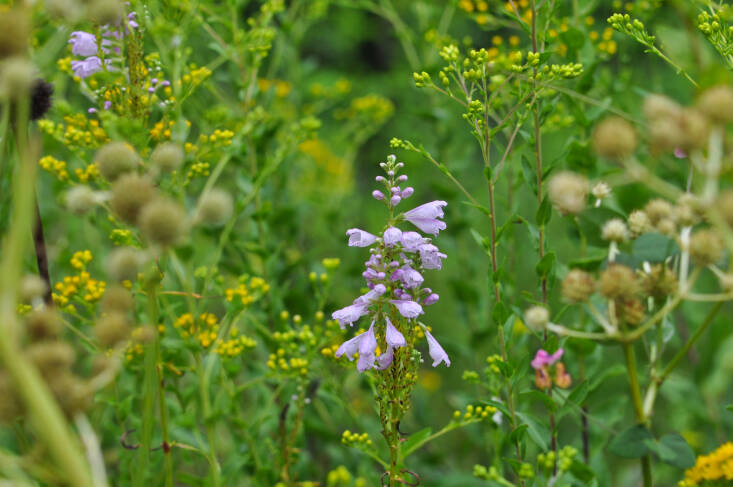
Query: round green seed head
[
  {"x": 614, "y": 138},
  {"x": 115, "y": 159},
  {"x": 706, "y": 247},
  {"x": 123, "y": 264},
  {"x": 163, "y": 221},
  {"x": 51, "y": 357},
  {"x": 717, "y": 104},
  {"x": 80, "y": 199},
  {"x": 117, "y": 299},
  {"x": 168, "y": 156},
  {"x": 111, "y": 329},
  {"x": 14, "y": 33},
  {"x": 214, "y": 208},
  {"x": 43, "y": 324},
  {"x": 130, "y": 193}
]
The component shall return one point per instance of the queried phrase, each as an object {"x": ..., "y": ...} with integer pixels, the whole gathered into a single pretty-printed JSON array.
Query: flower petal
[
  {"x": 393, "y": 336},
  {"x": 436, "y": 351}
]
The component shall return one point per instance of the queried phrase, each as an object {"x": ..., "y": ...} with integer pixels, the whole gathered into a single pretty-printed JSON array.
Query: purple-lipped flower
[
  {"x": 83, "y": 43},
  {"x": 543, "y": 359},
  {"x": 394, "y": 273},
  {"x": 87, "y": 67}
]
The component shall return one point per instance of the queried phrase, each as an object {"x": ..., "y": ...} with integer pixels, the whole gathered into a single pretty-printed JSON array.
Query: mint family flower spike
[{"x": 394, "y": 275}]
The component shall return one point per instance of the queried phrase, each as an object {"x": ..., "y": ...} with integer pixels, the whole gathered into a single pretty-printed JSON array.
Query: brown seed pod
[
  {"x": 578, "y": 286},
  {"x": 618, "y": 281}
]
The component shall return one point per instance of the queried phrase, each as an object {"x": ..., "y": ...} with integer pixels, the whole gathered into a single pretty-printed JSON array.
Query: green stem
[
  {"x": 153, "y": 311},
  {"x": 646, "y": 464}
]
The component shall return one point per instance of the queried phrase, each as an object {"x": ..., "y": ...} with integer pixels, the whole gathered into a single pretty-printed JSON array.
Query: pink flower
[{"x": 544, "y": 359}]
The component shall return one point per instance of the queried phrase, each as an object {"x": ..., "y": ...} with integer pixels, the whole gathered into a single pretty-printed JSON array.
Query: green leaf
[
  {"x": 573, "y": 38},
  {"x": 632, "y": 442},
  {"x": 729, "y": 407},
  {"x": 544, "y": 212},
  {"x": 542, "y": 397},
  {"x": 582, "y": 472},
  {"x": 539, "y": 434},
  {"x": 529, "y": 174},
  {"x": 500, "y": 313},
  {"x": 415, "y": 441},
  {"x": 674, "y": 450},
  {"x": 483, "y": 242},
  {"x": 545, "y": 265},
  {"x": 654, "y": 247}
]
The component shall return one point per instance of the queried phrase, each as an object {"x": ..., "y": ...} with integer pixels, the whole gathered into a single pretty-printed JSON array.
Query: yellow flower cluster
[
  {"x": 279, "y": 362},
  {"x": 339, "y": 88},
  {"x": 329, "y": 169},
  {"x": 76, "y": 131},
  {"x": 478, "y": 8},
  {"x": 235, "y": 345},
  {"x": 162, "y": 130},
  {"x": 374, "y": 108},
  {"x": 281, "y": 88},
  {"x": 341, "y": 477},
  {"x": 716, "y": 466},
  {"x": 197, "y": 75},
  {"x": 198, "y": 169},
  {"x": 220, "y": 138},
  {"x": 81, "y": 284},
  {"x": 55, "y": 167},
  {"x": 248, "y": 293},
  {"x": 205, "y": 329},
  {"x": 87, "y": 174},
  {"x": 121, "y": 236}
]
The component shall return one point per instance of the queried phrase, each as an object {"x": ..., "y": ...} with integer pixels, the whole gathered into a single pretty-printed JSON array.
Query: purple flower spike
[
  {"x": 350, "y": 347},
  {"x": 431, "y": 299},
  {"x": 407, "y": 308},
  {"x": 425, "y": 217},
  {"x": 87, "y": 67},
  {"x": 543, "y": 359},
  {"x": 367, "y": 347},
  {"x": 436, "y": 351},
  {"x": 395, "y": 200},
  {"x": 431, "y": 257},
  {"x": 107, "y": 105},
  {"x": 385, "y": 360},
  {"x": 377, "y": 195},
  {"x": 367, "y": 298},
  {"x": 83, "y": 43},
  {"x": 360, "y": 238},
  {"x": 407, "y": 192},
  {"x": 410, "y": 277},
  {"x": 392, "y": 236},
  {"x": 350, "y": 314},
  {"x": 411, "y": 241},
  {"x": 393, "y": 336},
  {"x": 92, "y": 110}
]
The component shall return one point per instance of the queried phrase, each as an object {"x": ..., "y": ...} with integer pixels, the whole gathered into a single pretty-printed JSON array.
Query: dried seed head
[
  {"x": 660, "y": 107},
  {"x": 115, "y": 159},
  {"x": 80, "y": 199},
  {"x": 130, "y": 193},
  {"x": 725, "y": 205},
  {"x": 123, "y": 264},
  {"x": 52, "y": 357},
  {"x": 615, "y": 230},
  {"x": 706, "y": 248},
  {"x": 168, "y": 156},
  {"x": 630, "y": 311},
  {"x": 16, "y": 77},
  {"x": 112, "y": 329},
  {"x": 688, "y": 210},
  {"x": 536, "y": 318},
  {"x": 214, "y": 208},
  {"x": 43, "y": 324},
  {"x": 614, "y": 138},
  {"x": 659, "y": 282},
  {"x": 665, "y": 135},
  {"x": 105, "y": 11},
  {"x": 65, "y": 9},
  {"x": 618, "y": 281},
  {"x": 117, "y": 299},
  {"x": 163, "y": 221},
  {"x": 72, "y": 393},
  {"x": 667, "y": 227},
  {"x": 657, "y": 210},
  {"x": 578, "y": 286},
  {"x": 143, "y": 334},
  {"x": 32, "y": 288},
  {"x": 15, "y": 31},
  {"x": 568, "y": 192},
  {"x": 695, "y": 129},
  {"x": 639, "y": 223},
  {"x": 717, "y": 104}
]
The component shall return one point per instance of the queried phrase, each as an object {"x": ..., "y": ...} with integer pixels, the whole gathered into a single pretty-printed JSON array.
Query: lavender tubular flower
[
  {"x": 436, "y": 351},
  {"x": 83, "y": 43},
  {"x": 407, "y": 308},
  {"x": 393, "y": 337},
  {"x": 360, "y": 238},
  {"x": 426, "y": 217}
]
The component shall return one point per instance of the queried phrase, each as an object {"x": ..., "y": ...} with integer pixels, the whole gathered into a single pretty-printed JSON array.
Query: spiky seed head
[
  {"x": 51, "y": 357},
  {"x": 130, "y": 193},
  {"x": 717, "y": 104},
  {"x": 115, "y": 159},
  {"x": 706, "y": 247},
  {"x": 615, "y": 230},
  {"x": 618, "y": 281},
  {"x": 215, "y": 207},
  {"x": 117, "y": 298},
  {"x": 631, "y": 311},
  {"x": 111, "y": 329},
  {"x": 639, "y": 223},
  {"x": 614, "y": 138},
  {"x": 659, "y": 282},
  {"x": 568, "y": 192},
  {"x": 578, "y": 286},
  {"x": 31, "y": 288},
  {"x": 163, "y": 221},
  {"x": 168, "y": 156},
  {"x": 123, "y": 264},
  {"x": 80, "y": 199},
  {"x": 43, "y": 324}
]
